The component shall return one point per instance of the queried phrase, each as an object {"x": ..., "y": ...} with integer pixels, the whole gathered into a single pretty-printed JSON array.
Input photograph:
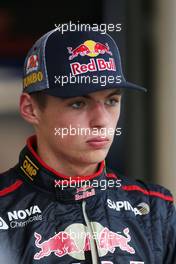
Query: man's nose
[{"x": 99, "y": 116}]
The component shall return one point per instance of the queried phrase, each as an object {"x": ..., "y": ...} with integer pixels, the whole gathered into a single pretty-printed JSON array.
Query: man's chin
[{"x": 96, "y": 156}]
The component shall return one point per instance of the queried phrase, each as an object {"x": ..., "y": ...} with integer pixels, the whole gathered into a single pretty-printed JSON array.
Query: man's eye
[
  {"x": 112, "y": 101},
  {"x": 78, "y": 105}
]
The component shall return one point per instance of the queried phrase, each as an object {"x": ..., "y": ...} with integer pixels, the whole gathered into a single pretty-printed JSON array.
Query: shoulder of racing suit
[
  {"x": 139, "y": 186},
  {"x": 9, "y": 182},
  {"x": 159, "y": 198},
  {"x": 162, "y": 211}
]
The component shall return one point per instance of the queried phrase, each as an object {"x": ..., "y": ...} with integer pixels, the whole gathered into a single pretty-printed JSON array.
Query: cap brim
[
  {"x": 75, "y": 91},
  {"x": 132, "y": 86}
]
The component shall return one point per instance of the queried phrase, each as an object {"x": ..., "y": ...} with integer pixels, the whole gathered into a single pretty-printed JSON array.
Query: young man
[{"x": 60, "y": 204}]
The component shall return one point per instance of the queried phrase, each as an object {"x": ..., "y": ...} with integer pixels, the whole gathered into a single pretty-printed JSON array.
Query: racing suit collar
[{"x": 35, "y": 171}]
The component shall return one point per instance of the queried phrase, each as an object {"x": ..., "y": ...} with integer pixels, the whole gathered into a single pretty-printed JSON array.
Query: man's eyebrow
[{"x": 117, "y": 92}]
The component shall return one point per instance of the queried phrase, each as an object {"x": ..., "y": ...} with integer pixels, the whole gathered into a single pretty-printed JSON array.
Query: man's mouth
[{"x": 98, "y": 142}]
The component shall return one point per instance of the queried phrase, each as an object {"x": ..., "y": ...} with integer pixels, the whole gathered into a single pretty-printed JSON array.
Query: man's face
[{"x": 80, "y": 129}]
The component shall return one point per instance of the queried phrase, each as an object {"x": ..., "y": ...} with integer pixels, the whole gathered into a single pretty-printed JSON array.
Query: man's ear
[{"x": 29, "y": 109}]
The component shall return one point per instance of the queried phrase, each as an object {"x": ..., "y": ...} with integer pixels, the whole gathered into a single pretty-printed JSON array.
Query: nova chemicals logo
[{"x": 21, "y": 218}]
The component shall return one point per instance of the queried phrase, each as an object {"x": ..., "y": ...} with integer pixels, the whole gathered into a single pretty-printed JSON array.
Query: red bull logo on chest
[
  {"x": 110, "y": 240},
  {"x": 75, "y": 240},
  {"x": 60, "y": 244}
]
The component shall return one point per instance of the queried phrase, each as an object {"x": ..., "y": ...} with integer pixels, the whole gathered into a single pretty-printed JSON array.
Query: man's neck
[{"x": 63, "y": 166}]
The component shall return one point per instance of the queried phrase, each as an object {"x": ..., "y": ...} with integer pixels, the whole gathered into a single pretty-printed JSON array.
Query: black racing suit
[{"x": 46, "y": 217}]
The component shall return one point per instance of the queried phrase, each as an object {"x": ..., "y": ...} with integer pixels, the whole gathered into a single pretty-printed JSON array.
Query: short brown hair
[{"x": 40, "y": 98}]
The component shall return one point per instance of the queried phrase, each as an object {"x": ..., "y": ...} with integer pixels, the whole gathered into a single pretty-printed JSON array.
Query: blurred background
[{"x": 147, "y": 147}]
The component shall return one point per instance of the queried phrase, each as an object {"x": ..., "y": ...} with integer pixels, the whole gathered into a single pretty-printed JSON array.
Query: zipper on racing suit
[{"x": 94, "y": 253}]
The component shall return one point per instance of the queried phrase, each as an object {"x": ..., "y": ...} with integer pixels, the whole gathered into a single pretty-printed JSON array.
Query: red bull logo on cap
[
  {"x": 89, "y": 48},
  {"x": 93, "y": 65}
]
